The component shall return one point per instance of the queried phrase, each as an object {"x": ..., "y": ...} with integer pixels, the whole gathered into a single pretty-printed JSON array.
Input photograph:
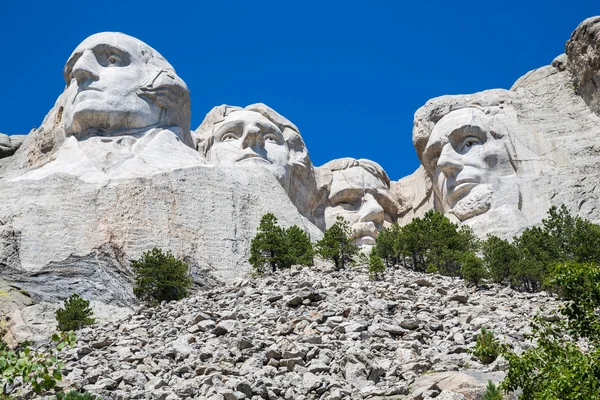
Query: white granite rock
[
  {"x": 499, "y": 159},
  {"x": 258, "y": 137},
  {"x": 359, "y": 191}
]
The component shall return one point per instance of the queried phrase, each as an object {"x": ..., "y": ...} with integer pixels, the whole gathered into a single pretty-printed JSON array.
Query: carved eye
[
  {"x": 228, "y": 137},
  {"x": 271, "y": 139},
  {"x": 470, "y": 142},
  {"x": 114, "y": 59}
]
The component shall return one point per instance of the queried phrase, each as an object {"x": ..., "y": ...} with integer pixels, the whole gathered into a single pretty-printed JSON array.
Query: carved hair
[{"x": 370, "y": 166}]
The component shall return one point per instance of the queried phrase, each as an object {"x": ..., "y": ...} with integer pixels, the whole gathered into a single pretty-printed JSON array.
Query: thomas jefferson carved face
[
  {"x": 364, "y": 200},
  {"x": 464, "y": 156},
  {"x": 248, "y": 138}
]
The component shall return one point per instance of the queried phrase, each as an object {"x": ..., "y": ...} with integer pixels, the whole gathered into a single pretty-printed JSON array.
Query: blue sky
[{"x": 349, "y": 74}]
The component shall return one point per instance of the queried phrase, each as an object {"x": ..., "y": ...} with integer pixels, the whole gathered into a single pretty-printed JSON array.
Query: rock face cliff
[
  {"x": 498, "y": 159},
  {"x": 115, "y": 170}
]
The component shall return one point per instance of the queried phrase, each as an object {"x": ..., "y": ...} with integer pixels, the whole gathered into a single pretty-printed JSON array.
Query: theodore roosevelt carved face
[
  {"x": 117, "y": 84},
  {"x": 464, "y": 154},
  {"x": 359, "y": 191}
]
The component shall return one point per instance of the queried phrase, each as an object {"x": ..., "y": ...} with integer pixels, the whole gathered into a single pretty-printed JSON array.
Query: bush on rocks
[
  {"x": 336, "y": 245},
  {"x": 277, "y": 248},
  {"x": 376, "y": 266},
  {"x": 75, "y": 395},
  {"x": 25, "y": 367},
  {"x": 487, "y": 348},
  {"x": 160, "y": 277},
  {"x": 565, "y": 362},
  {"x": 75, "y": 315},
  {"x": 492, "y": 392}
]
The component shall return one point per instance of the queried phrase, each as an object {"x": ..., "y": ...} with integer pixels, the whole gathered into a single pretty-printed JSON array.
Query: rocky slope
[{"x": 307, "y": 334}]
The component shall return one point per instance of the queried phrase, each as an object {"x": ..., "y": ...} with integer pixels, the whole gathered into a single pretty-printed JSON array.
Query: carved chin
[{"x": 477, "y": 202}]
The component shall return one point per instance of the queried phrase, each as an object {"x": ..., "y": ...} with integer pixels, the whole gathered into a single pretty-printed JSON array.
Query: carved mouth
[
  {"x": 252, "y": 157},
  {"x": 84, "y": 89},
  {"x": 462, "y": 184}
]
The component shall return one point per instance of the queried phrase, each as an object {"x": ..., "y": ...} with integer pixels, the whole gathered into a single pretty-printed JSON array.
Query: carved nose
[
  {"x": 449, "y": 162},
  {"x": 371, "y": 210},
  {"x": 86, "y": 68},
  {"x": 252, "y": 137}
]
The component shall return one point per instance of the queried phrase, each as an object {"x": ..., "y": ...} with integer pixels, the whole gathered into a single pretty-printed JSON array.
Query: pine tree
[
  {"x": 160, "y": 277},
  {"x": 299, "y": 246},
  {"x": 75, "y": 315},
  {"x": 336, "y": 244},
  {"x": 492, "y": 392},
  {"x": 472, "y": 268},
  {"x": 376, "y": 265},
  {"x": 269, "y": 248}
]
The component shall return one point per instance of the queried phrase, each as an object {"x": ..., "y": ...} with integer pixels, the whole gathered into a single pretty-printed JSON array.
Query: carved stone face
[
  {"x": 363, "y": 200},
  {"x": 248, "y": 138},
  {"x": 464, "y": 158},
  {"x": 103, "y": 75}
]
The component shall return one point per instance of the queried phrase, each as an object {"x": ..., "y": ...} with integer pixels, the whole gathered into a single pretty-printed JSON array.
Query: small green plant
[
  {"x": 75, "y": 395},
  {"x": 160, "y": 277},
  {"x": 492, "y": 392},
  {"x": 75, "y": 315},
  {"x": 487, "y": 348},
  {"x": 376, "y": 266},
  {"x": 40, "y": 370}
]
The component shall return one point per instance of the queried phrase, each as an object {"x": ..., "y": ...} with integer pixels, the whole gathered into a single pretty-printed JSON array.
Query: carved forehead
[
  {"x": 355, "y": 177},
  {"x": 135, "y": 48},
  {"x": 453, "y": 122},
  {"x": 245, "y": 116}
]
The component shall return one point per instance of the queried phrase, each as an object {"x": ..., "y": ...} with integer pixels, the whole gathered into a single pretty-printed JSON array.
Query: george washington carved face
[{"x": 117, "y": 83}]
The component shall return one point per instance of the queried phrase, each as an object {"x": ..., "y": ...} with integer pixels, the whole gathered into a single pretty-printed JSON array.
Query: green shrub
[
  {"x": 376, "y": 265},
  {"x": 336, "y": 244},
  {"x": 565, "y": 361},
  {"x": 40, "y": 370},
  {"x": 160, "y": 277},
  {"x": 268, "y": 249},
  {"x": 492, "y": 392},
  {"x": 75, "y": 395},
  {"x": 299, "y": 247},
  {"x": 75, "y": 315},
  {"x": 472, "y": 269},
  {"x": 487, "y": 348}
]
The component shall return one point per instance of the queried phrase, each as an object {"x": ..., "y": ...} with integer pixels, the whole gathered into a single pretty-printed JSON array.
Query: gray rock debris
[{"x": 245, "y": 341}]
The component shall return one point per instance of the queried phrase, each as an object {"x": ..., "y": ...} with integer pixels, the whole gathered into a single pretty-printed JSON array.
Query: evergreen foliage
[
  {"x": 160, "y": 277},
  {"x": 499, "y": 259},
  {"x": 336, "y": 244},
  {"x": 268, "y": 248},
  {"x": 565, "y": 362},
  {"x": 492, "y": 392},
  {"x": 299, "y": 246},
  {"x": 387, "y": 244},
  {"x": 525, "y": 263},
  {"x": 472, "y": 269},
  {"x": 428, "y": 244},
  {"x": 487, "y": 347},
  {"x": 75, "y": 395},
  {"x": 75, "y": 315},
  {"x": 277, "y": 248},
  {"x": 376, "y": 265}
]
